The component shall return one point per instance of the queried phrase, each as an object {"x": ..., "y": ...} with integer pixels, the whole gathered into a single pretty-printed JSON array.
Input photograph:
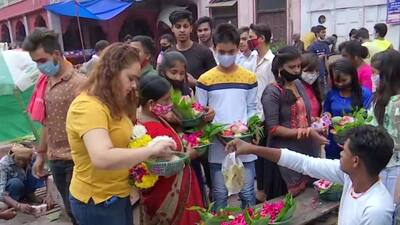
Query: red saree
[{"x": 167, "y": 202}]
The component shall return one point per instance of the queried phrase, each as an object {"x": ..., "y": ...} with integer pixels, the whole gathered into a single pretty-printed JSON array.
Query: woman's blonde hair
[{"x": 104, "y": 81}]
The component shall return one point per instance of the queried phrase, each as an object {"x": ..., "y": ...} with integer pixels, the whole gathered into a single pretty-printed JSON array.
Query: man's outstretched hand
[{"x": 239, "y": 146}]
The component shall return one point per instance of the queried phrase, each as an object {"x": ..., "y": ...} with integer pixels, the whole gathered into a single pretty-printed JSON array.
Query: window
[
  {"x": 224, "y": 11},
  {"x": 4, "y": 3},
  {"x": 270, "y": 5}
]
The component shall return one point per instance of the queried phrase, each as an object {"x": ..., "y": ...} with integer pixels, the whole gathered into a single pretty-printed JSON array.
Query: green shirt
[
  {"x": 148, "y": 70},
  {"x": 391, "y": 122}
]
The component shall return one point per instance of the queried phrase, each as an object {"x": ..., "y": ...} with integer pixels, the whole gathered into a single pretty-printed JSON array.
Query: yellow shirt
[
  {"x": 87, "y": 113},
  {"x": 382, "y": 45},
  {"x": 308, "y": 39},
  {"x": 372, "y": 50}
]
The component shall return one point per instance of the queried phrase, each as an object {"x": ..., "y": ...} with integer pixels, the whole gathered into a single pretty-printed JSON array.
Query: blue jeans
[
  {"x": 18, "y": 189},
  {"x": 220, "y": 193},
  {"x": 112, "y": 212},
  {"x": 62, "y": 174}
]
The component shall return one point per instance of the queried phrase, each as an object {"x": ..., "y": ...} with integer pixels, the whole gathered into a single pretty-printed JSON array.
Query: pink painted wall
[
  {"x": 20, "y": 8},
  {"x": 112, "y": 27},
  {"x": 294, "y": 18},
  {"x": 32, "y": 19},
  {"x": 14, "y": 22},
  {"x": 15, "y": 12}
]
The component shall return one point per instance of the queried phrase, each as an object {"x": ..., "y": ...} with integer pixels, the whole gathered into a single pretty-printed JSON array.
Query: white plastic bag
[{"x": 233, "y": 171}]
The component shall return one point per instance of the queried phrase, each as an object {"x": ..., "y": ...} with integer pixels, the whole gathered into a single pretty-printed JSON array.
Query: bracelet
[
  {"x": 41, "y": 152},
  {"x": 18, "y": 206}
]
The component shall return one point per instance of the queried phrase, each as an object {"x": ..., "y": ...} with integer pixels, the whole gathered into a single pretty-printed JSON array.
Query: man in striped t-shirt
[{"x": 232, "y": 92}]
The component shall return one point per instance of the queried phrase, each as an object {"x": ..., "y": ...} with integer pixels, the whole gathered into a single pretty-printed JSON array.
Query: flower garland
[{"x": 139, "y": 175}]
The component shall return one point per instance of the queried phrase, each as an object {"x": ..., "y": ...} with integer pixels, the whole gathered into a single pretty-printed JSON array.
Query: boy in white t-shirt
[{"x": 365, "y": 200}]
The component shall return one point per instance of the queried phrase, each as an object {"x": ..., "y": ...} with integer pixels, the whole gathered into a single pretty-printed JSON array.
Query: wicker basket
[
  {"x": 244, "y": 137},
  {"x": 202, "y": 149},
  {"x": 190, "y": 123},
  {"x": 168, "y": 168}
]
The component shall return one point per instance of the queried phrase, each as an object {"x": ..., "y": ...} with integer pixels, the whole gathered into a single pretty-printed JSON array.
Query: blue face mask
[
  {"x": 226, "y": 60},
  {"x": 49, "y": 68}
]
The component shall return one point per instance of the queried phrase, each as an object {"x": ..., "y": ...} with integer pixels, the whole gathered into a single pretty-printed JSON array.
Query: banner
[{"x": 393, "y": 12}]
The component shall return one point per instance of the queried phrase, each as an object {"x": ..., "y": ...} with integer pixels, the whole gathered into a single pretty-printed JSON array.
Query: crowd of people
[{"x": 88, "y": 120}]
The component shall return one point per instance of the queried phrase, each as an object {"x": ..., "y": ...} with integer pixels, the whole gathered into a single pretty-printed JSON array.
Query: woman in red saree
[{"x": 168, "y": 201}]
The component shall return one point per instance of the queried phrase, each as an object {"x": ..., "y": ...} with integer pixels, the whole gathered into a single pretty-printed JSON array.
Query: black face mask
[
  {"x": 164, "y": 48},
  {"x": 344, "y": 87},
  {"x": 289, "y": 76},
  {"x": 177, "y": 84}
]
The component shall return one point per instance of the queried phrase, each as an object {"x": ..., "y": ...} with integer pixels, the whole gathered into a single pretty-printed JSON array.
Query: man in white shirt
[
  {"x": 204, "y": 29},
  {"x": 365, "y": 200},
  {"x": 246, "y": 58},
  {"x": 259, "y": 39}
]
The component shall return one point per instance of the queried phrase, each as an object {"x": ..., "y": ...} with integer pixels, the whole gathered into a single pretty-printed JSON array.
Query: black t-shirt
[{"x": 200, "y": 59}]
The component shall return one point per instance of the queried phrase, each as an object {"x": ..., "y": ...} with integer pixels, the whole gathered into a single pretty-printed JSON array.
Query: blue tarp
[{"x": 91, "y": 9}]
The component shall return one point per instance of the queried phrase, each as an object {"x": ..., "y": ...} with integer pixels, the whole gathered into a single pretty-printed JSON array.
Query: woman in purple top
[{"x": 356, "y": 53}]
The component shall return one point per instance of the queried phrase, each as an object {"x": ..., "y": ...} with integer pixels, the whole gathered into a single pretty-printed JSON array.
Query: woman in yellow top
[{"x": 99, "y": 127}]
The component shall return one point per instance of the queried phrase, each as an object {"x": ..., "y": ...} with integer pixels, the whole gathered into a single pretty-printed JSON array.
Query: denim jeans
[
  {"x": 220, "y": 193},
  {"x": 116, "y": 212},
  {"x": 18, "y": 189},
  {"x": 62, "y": 174}
]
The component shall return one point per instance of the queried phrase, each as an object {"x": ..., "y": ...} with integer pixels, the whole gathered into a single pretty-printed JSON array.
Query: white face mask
[
  {"x": 375, "y": 81},
  {"x": 309, "y": 78},
  {"x": 226, "y": 60}
]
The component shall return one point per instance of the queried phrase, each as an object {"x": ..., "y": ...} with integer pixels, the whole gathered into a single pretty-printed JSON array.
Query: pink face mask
[{"x": 161, "y": 110}]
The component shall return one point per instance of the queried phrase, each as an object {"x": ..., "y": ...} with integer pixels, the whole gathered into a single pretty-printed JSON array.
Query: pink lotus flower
[
  {"x": 345, "y": 120},
  {"x": 193, "y": 139},
  {"x": 238, "y": 128},
  {"x": 228, "y": 133},
  {"x": 323, "y": 122},
  {"x": 272, "y": 209},
  {"x": 197, "y": 107},
  {"x": 239, "y": 220},
  {"x": 323, "y": 184}
]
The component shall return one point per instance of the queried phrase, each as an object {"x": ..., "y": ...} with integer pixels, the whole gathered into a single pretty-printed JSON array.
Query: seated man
[
  {"x": 16, "y": 180},
  {"x": 365, "y": 200}
]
